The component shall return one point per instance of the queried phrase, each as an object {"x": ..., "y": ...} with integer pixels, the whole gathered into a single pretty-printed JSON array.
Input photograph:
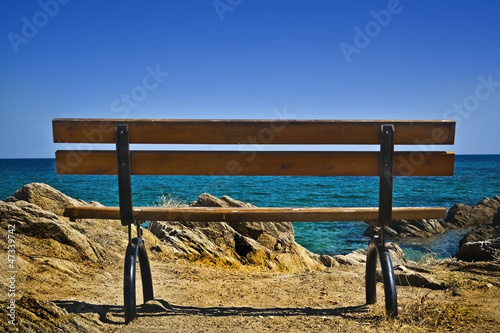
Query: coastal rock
[
  {"x": 34, "y": 315},
  {"x": 45, "y": 197},
  {"x": 480, "y": 251},
  {"x": 496, "y": 218},
  {"x": 44, "y": 229},
  {"x": 416, "y": 279},
  {"x": 480, "y": 214},
  {"x": 269, "y": 244},
  {"x": 457, "y": 216},
  {"x": 270, "y": 235},
  {"x": 358, "y": 257},
  {"x": 481, "y": 234},
  {"x": 485, "y": 212},
  {"x": 412, "y": 228},
  {"x": 480, "y": 244}
]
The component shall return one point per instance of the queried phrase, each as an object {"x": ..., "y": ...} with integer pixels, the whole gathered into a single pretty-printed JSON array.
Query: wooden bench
[{"x": 383, "y": 163}]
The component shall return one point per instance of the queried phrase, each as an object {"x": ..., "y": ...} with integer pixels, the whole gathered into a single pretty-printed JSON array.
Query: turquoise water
[{"x": 476, "y": 176}]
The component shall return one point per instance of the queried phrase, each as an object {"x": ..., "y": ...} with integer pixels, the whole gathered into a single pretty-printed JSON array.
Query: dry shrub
[{"x": 425, "y": 315}]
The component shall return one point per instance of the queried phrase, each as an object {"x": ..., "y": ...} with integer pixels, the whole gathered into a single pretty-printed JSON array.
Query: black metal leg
[
  {"x": 377, "y": 249},
  {"x": 136, "y": 249},
  {"x": 371, "y": 270},
  {"x": 147, "y": 281},
  {"x": 391, "y": 298}
]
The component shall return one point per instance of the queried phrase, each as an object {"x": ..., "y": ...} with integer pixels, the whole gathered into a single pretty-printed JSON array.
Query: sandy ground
[{"x": 194, "y": 298}]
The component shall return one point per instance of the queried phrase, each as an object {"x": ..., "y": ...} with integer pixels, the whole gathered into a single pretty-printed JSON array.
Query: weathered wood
[
  {"x": 206, "y": 131},
  {"x": 282, "y": 163},
  {"x": 266, "y": 214}
]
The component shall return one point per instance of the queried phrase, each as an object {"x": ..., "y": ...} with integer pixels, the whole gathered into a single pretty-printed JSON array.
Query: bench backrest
[{"x": 249, "y": 159}]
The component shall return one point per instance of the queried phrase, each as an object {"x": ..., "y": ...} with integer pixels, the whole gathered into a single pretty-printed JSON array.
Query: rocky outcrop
[
  {"x": 482, "y": 213},
  {"x": 483, "y": 242},
  {"x": 45, "y": 197},
  {"x": 44, "y": 233},
  {"x": 485, "y": 212},
  {"x": 271, "y": 244},
  {"x": 480, "y": 244},
  {"x": 271, "y": 235},
  {"x": 34, "y": 315},
  {"x": 358, "y": 257},
  {"x": 412, "y": 228}
]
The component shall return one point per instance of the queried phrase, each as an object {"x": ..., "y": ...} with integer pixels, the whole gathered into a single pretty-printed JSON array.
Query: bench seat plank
[
  {"x": 224, "y": 131},
  {"x": 262, "y": 214},
  {"x": 266, "y": 163}
]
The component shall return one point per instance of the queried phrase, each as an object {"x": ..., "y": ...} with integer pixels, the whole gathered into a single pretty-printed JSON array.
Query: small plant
[
  {"x": 167, "y": 200},
  {"x": 428, "y": 258}
]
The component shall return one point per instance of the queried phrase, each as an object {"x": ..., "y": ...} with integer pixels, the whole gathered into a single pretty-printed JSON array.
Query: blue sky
[{"x": 336, "y": 59}]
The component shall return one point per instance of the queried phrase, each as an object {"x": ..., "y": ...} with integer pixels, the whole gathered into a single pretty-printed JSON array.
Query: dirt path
[{"x": 193, "y": 298}]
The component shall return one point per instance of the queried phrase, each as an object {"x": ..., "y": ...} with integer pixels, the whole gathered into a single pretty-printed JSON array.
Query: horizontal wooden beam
[
  {"x": 257, "y": 214},
  {"x": 165, "y": 131},
  {"x": 271, "y": 163}
]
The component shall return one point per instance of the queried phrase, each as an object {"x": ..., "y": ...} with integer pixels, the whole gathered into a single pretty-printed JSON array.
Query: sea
[{"x": 476, "y": 177}]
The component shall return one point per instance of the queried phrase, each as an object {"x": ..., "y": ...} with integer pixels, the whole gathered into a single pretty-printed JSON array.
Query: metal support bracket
[
  {"x": 376, "y": 247},
  {"x": 136, "y": 248},
  {"x": 386, "y": 177},
  {"x": 124, "y": 181}
]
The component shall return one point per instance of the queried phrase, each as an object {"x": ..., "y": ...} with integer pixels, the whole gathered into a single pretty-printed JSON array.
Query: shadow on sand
[{"x": 160, "y": 308}]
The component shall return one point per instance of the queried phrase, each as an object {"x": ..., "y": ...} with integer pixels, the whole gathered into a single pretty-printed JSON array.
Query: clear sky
[{"x": 323, "y": 59}]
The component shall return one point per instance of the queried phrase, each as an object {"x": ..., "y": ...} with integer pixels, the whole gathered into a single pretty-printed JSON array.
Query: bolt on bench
[{"x": 384, "y": 163}]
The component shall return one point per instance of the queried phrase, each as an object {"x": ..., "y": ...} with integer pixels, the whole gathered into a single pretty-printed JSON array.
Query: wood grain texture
[
  {"x": 166, "y": 131},
  {"x": 273, "y": 163},
  {"x": 267, "y": 214}
]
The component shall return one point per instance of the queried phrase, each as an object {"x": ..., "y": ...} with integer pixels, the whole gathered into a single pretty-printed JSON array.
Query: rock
[
  {"x": 358, "y": 257},
  {"x": 33, "y": 315},
  {"x": 328, "y": 261},
  {"x": 481, "y": 214},
  {"x": 397, "y": 254},
  {"x": 45, "y": 197},
  {"x": 269, "y": 235},
  {"x": 269, "y": 244},
  {"x": 485, "y": 212},
  {"x": 479, "y": 251},
  {"x": 480, "y": 244},
  {"x": 414, "y": 279},
  {"x": 496, "y": 218},
  {"x": 354, "y": 258},
  {"x": 46, "y": 230},
  {"x": 481, "y": 234},
  {"x": 458, "y": 216},
  {"x": 423, "y": 228}
]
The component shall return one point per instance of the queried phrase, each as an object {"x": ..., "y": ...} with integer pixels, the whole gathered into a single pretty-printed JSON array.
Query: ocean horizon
[{"x": 475, "y": 178}]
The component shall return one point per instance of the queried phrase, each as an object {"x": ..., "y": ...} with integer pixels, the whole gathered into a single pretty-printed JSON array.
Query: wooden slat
[
  {"x": 252, "y": 132},
  {"x": 267, "y": 214},
  {"x": 274, "y": 163}
]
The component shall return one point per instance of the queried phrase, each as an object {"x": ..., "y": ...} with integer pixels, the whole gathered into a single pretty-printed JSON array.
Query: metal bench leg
[
  {"x": 378, "y": 250},
  {"x": 376, "y": 247},
  {"x": 136, "y": 249},
  {"x": 391, "y": 298}
]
